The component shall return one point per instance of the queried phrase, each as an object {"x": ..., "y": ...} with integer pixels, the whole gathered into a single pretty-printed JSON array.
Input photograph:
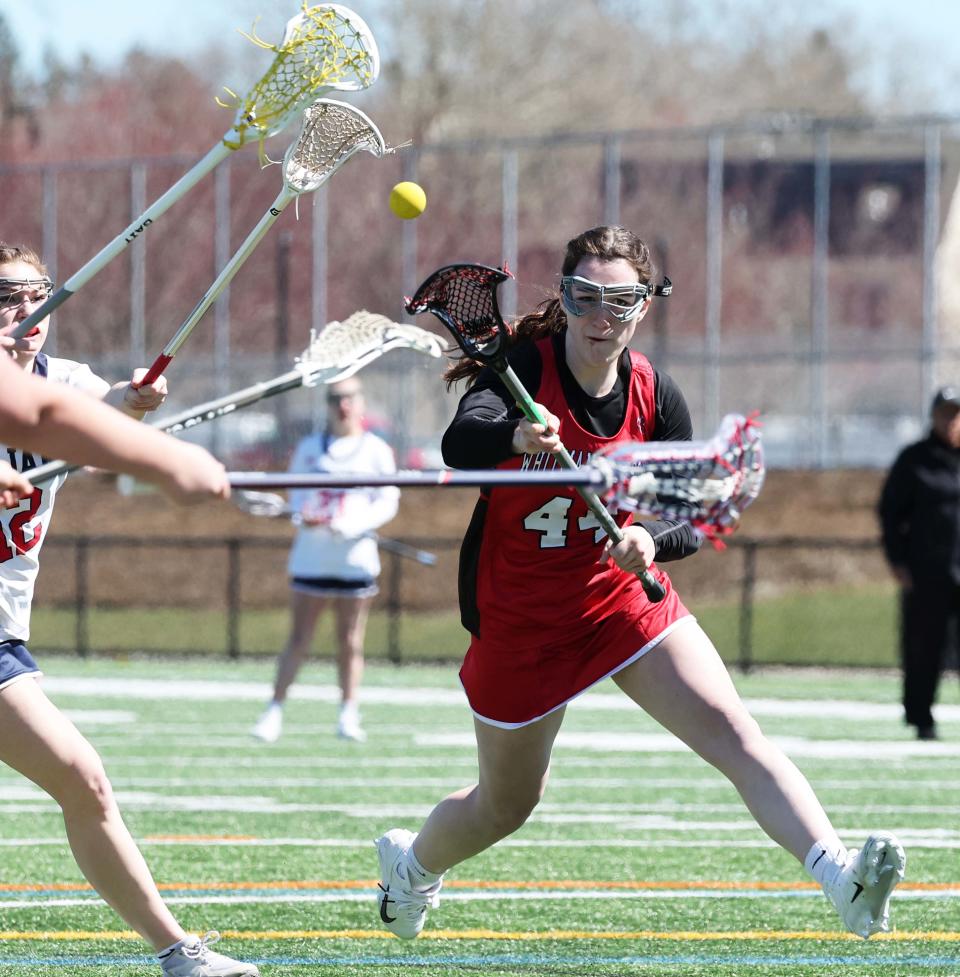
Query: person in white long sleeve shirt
[{"x": 334, "y": 560}]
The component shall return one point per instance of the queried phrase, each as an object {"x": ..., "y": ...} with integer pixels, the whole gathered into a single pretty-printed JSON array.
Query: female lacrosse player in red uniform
[
  {"x": 35, "y": 737},
  {"x": 553, "y": 607}
]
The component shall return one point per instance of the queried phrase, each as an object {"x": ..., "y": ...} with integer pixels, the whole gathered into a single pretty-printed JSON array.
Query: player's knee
[
  {"x": 735, "y": 738},
  {"x": 84, "y": 788},
  {"x": 509, "y": 811}
]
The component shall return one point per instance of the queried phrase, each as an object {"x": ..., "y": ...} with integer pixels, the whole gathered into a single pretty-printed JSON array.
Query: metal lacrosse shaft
[{"x": 421, "y": 478}]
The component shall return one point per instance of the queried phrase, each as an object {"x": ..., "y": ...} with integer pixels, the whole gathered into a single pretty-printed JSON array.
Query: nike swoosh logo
[
  {"x": 855, "y": 895},
  {"x": 383, "y": 907}
]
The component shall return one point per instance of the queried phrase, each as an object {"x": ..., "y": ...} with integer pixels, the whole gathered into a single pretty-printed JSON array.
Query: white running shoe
[
  {"x": 403, "y": 909},
  {"x": 861, "y": 892},
  {"x": 348, "y": 725},
  {"x": 194, "y": 958},
  {"x": 269, "y": 726}
]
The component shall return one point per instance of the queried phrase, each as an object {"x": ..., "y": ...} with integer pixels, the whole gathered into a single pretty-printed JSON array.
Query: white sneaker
[
  {"x": 348, "y": 725},
  {"x": 194, "y": 958},
  {"x": 402, "y": 908},
  {"x": 861, "y": 892},
  {"x": 269, "y": 726}
]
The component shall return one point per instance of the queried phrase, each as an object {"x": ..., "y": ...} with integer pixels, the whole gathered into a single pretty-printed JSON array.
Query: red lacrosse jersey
[{"x": 552, "y": 618}]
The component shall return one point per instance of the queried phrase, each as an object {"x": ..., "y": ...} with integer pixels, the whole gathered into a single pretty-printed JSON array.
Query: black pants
[{"x": 930, "y": 615}]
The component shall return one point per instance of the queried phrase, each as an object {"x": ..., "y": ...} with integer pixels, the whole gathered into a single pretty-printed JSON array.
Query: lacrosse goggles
[
  {"x": 13, "y": 291},
  {"x": 581, "y": 296}
]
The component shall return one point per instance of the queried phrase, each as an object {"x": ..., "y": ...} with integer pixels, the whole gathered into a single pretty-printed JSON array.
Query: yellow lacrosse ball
[{"x": 407, "y": 200}]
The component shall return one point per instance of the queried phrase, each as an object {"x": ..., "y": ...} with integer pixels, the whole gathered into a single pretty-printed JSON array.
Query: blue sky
[{"x": 922, "y": 37}]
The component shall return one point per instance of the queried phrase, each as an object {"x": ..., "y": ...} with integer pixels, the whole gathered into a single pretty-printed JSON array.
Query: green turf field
[{"x": 640, "y": 861}]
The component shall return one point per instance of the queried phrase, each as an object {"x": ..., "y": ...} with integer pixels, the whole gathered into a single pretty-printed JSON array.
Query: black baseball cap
[{"x": 946, "y": 395}]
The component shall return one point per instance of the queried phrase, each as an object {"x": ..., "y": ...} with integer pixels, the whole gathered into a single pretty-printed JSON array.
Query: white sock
[
  {"x": 825, "y": 860},
  {"x": 349, "y": 711},
  {"x": 419, "y": 877},
  {"x": 275, "y": 708},
  {"x": 163, "y": 954}
]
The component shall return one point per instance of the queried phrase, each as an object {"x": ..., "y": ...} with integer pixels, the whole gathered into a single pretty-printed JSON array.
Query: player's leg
[
  {"x": 927, "y": 612},
  {"x": 305, "y": 609},
  {"x": 684, "y": 685},
  {"x": 514, "y": 765},
  {"x": 37, "y": 740},
  {"x": 351, "y": 615}
]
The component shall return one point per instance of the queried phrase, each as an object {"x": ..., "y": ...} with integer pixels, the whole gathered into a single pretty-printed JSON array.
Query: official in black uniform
[{"x": 920, "y": 521}]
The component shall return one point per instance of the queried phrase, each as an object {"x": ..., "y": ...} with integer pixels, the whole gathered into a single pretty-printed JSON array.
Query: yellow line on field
[{"x": 686, "y": 936}]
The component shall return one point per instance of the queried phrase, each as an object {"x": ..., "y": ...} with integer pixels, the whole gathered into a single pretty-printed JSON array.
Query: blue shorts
[
  {"x": 335, "y": 586},
  {"x": 15, "y": 662}
]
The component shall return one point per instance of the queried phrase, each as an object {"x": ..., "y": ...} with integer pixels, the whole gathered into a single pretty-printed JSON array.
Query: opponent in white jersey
[
  {"x": 35, "y": 737},
  {"x": 23, "y": 527},
  {"x": 334, "y": 557}
]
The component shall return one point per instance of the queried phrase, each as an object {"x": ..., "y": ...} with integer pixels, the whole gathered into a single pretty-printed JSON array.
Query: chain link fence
[{"x": 814, "y": 263}]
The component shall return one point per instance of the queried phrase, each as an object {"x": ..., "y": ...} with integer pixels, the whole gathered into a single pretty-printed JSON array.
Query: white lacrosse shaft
[
  {"x": 300, "y": 176},
  {"x": 219, "y": 284},
  {"x": 329, "y": 364},
  {"x": 127, "y": 236},
  {"x": 232, "y": 140}
]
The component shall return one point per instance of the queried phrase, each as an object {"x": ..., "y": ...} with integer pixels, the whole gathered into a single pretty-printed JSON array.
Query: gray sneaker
[
  {"x": 194, "y": 958},
  {"x": 861, "y": 892},
  {"x": 403, "y": 909}
]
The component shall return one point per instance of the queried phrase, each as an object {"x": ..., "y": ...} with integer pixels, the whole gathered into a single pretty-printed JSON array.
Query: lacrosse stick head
[
  {"x": 464, "y": 298},
  {"x": 331, "y": 133},
  {"x": 340, "y": 349},
  {"x": 268, "y": 504},
  {"x": 326, "y": 47},
  {"x": 705, "y": 483}
]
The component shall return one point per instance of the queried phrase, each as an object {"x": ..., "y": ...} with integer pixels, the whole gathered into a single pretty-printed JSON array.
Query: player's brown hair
[
  {"x": 609, "y": 243},
  {"x": 20, "y": 252}
]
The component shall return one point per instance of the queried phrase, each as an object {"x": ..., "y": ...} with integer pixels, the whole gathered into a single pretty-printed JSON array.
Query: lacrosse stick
[
  {"x": 325, "y": 48},
  {"x": 338, "y": 351},
  {"x": 706, "y": 483},
  {"x": 275, "y": 506},
  {"x": 464, "y": 298},
  {"x": 332, "y": 132}
]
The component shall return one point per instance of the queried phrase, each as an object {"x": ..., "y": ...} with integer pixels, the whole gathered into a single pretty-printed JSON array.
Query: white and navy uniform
[
  {"x": 340, "y": 558},
  {"x": 23, "y": 528}
]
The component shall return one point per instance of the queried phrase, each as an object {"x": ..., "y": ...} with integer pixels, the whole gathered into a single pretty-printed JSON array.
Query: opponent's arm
[
  {"x": 53, "y": 420},
  {"x": 13, "y": 485},
  {"x": 135, "y": 399}
]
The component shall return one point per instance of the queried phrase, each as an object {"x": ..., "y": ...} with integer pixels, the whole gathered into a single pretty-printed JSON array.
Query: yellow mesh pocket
[{"x": 325, "y": 46}]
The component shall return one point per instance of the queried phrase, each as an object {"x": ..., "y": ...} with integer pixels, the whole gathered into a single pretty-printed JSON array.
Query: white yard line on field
[
  {"x": 910, "y": 839},
  {"x": 480, "y": 895},
  {"x": 797, "y": 746},
  {"x": 237, "y": 691}
]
